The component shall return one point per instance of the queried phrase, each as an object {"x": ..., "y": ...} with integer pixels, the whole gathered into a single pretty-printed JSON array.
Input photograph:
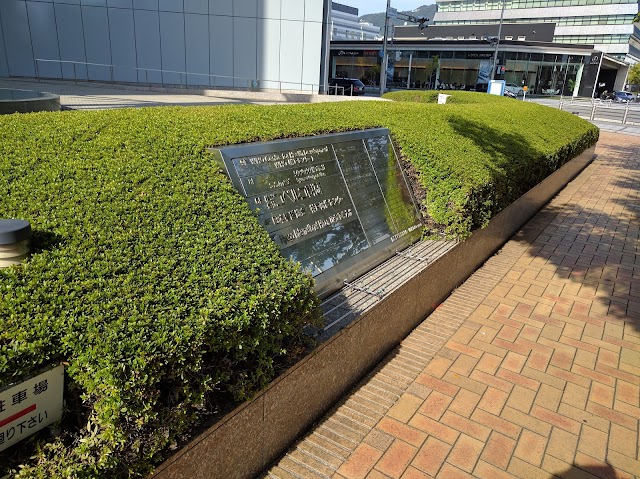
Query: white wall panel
[
  {"x": 269, "y": 9},
  {"x": 244, "y": 51},
  {"x": 96, "y": 41},
  {"x": 172, "y": 47},
  {"x": 44, "y": 39},
  {"x": 123, "y": 45},
  {"x": 291, "y": 54},
  {"x": 71, "y": 41},
  {"x": 220, "y": 50},
  {"x": 314, "y": 10},
  {"x": 269, "y": 53},
  {"x": 197, "y": 48},
  {"x": 15, "y": 25},
  {"x": 148, "y": 56},
  {"x": 293, "y": 10},
  {"x": 312, "y": 57}
]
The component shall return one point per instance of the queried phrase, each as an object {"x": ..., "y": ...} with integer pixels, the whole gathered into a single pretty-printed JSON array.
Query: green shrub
[
  {"x": 431, "y": 96},
  {"x": 154, "y": 281}
]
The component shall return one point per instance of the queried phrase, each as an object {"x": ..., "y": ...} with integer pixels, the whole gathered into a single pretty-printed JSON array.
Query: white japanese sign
[{"x": 30, "y": 406}]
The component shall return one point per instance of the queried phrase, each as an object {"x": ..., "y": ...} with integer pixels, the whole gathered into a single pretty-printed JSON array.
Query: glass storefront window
[{"x": 543, "y": 74}]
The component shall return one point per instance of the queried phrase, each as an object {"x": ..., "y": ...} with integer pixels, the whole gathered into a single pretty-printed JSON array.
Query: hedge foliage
[
  {"x": 154, "y": 281},
  {"x": 431, "y": 96}
]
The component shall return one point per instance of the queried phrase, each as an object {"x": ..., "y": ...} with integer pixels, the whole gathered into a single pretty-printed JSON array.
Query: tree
[{"x": 634, "y": 75}]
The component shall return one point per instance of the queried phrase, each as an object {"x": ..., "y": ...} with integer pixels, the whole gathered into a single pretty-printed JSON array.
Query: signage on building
[
  {"x": 30, "y": 406},
  {"x": 478, "y": 55},
  {"x": 349, "y": 53},
  {"x": 338, "y": 204},
  {"x": 595, "y": 58}
]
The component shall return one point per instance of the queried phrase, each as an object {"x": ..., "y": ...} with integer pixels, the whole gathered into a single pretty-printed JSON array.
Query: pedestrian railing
[
  {"x": 596, "y": 109},
  {"x": 100, "y": 72}
]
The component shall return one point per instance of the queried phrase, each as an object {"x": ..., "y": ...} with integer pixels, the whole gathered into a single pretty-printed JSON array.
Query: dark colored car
[
  {"x": 623, "y": 97},
  {"x": 350, "y": 85}
]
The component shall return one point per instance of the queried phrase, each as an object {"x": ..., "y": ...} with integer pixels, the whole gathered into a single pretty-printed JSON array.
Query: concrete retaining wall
[{"x": 249, "y": 439}]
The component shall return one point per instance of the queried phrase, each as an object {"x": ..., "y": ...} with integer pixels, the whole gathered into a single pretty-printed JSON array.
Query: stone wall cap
[{"x": 14, "y": 231}]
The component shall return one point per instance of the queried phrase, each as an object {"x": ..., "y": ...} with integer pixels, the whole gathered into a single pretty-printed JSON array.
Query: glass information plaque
[{"x": 338, "y": 204}]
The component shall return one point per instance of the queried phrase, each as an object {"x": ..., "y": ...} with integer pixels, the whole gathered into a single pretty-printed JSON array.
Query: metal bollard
[{"x": 14, "y": 242}]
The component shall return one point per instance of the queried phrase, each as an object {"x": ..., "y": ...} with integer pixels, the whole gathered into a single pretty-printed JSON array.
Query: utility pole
[
  {"x": 422, "y": 24},
  {"x": 495, "y": 53},
  {"x": 383, "y": 71}
]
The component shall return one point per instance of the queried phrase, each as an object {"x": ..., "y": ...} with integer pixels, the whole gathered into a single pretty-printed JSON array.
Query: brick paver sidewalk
[{"x": 531, "y": 369}]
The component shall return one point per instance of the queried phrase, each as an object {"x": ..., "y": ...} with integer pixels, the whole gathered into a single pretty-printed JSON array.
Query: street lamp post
[{"x": 495, "y": 53}]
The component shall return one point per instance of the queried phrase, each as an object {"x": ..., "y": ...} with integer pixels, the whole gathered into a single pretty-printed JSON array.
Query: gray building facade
[
  {"x": 606, "y": 24},
  {"x": 274, "y": 44}
]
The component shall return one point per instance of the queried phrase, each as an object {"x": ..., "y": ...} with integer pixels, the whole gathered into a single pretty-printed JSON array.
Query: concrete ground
[
  {"x": 100, "y": 96},
  {"x": 531, "y": 369}
]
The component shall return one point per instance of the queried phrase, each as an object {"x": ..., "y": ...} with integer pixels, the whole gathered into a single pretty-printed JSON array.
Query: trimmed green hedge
[
  {"x": 431, "y": 96},
  {"x": 153, "y": 279}
]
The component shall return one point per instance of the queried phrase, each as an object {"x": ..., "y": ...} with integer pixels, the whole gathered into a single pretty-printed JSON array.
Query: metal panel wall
[
  {"x": 221, "y": 57},
  {"x": 238, "y": 40},
  {"x": 269, "y": 53},
  {"x": 176, "y": 6},
  {"x": 312, "y": 57},
  {"x": 123, "y": 44},
  {"x": 245, "y": 8},
  {"x": 71, "y": 41},
  {"x": 120, "y": 3},
  {"x": 291, "y": 55},
  {"x": 196, "y": 6},
  {"x": 173, "y": 53},
  {"x": 197, "y": 48},
  {"x": 221, "y": 7},
  {"x": 269, "y": 9},
  {"x": 293, "y": 10},
  {"x": 147, "y": 32},
  {"x": 96, "y": 42},
  {"x": 4, "y": 67},
  {"x": 15, "y": 25},
  {"x": 145, "y": 4},
  {"x": 44, "y": 38},
  {"x": 245, "y": 69}
]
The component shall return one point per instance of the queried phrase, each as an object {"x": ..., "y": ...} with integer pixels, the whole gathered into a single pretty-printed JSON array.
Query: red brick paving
[{"x": 541, "y": 377}]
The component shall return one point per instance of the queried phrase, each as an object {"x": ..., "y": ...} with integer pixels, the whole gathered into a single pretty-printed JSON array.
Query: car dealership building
[{"x": 461, "y": 55}]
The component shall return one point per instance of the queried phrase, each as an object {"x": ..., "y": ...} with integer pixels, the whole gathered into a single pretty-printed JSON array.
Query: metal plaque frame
[{"x": 336, "y": 178}]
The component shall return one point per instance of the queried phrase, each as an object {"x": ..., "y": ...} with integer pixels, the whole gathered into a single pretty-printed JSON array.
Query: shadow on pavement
[{"x": 577, "y": 471}]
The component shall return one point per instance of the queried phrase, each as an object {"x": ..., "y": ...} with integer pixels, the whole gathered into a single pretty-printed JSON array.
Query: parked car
[
  {"x": 622, "y": 97},
  {"x": 510, "y": 93},
  {"x": 350, "y": 85},
  {"x": 513, "y": 88}
]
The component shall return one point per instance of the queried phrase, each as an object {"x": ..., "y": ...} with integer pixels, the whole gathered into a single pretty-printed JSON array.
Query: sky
[{"x": 377, "y": 6}]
